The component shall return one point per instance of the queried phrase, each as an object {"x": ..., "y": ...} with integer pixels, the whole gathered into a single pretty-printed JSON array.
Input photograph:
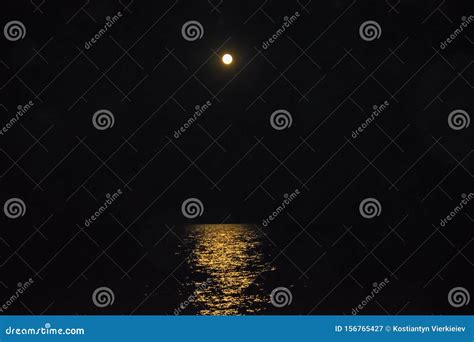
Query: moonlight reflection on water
[{"x": 231, "y": 257}]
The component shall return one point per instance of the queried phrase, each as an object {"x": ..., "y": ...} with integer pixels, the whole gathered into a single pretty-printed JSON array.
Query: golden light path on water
[{"x": 229, "y": 256}]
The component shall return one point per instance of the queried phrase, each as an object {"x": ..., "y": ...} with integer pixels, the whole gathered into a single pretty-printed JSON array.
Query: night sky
[{"x": 146, "y": 78}]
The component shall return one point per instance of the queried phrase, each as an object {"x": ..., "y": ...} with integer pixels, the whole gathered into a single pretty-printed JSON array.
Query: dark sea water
[
  {"x": 232, "y": 269},
  {"x": 226, "y": 264}
]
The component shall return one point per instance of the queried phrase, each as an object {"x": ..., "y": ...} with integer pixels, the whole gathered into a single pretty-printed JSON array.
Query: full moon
[{"x": 227, "y": 59}]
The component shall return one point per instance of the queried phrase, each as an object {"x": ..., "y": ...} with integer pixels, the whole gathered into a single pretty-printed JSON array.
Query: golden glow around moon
[{"x": 227, "y": 59}]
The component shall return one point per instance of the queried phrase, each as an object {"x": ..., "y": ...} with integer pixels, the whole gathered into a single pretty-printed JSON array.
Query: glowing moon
[{"x": 227, "y": 59}]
